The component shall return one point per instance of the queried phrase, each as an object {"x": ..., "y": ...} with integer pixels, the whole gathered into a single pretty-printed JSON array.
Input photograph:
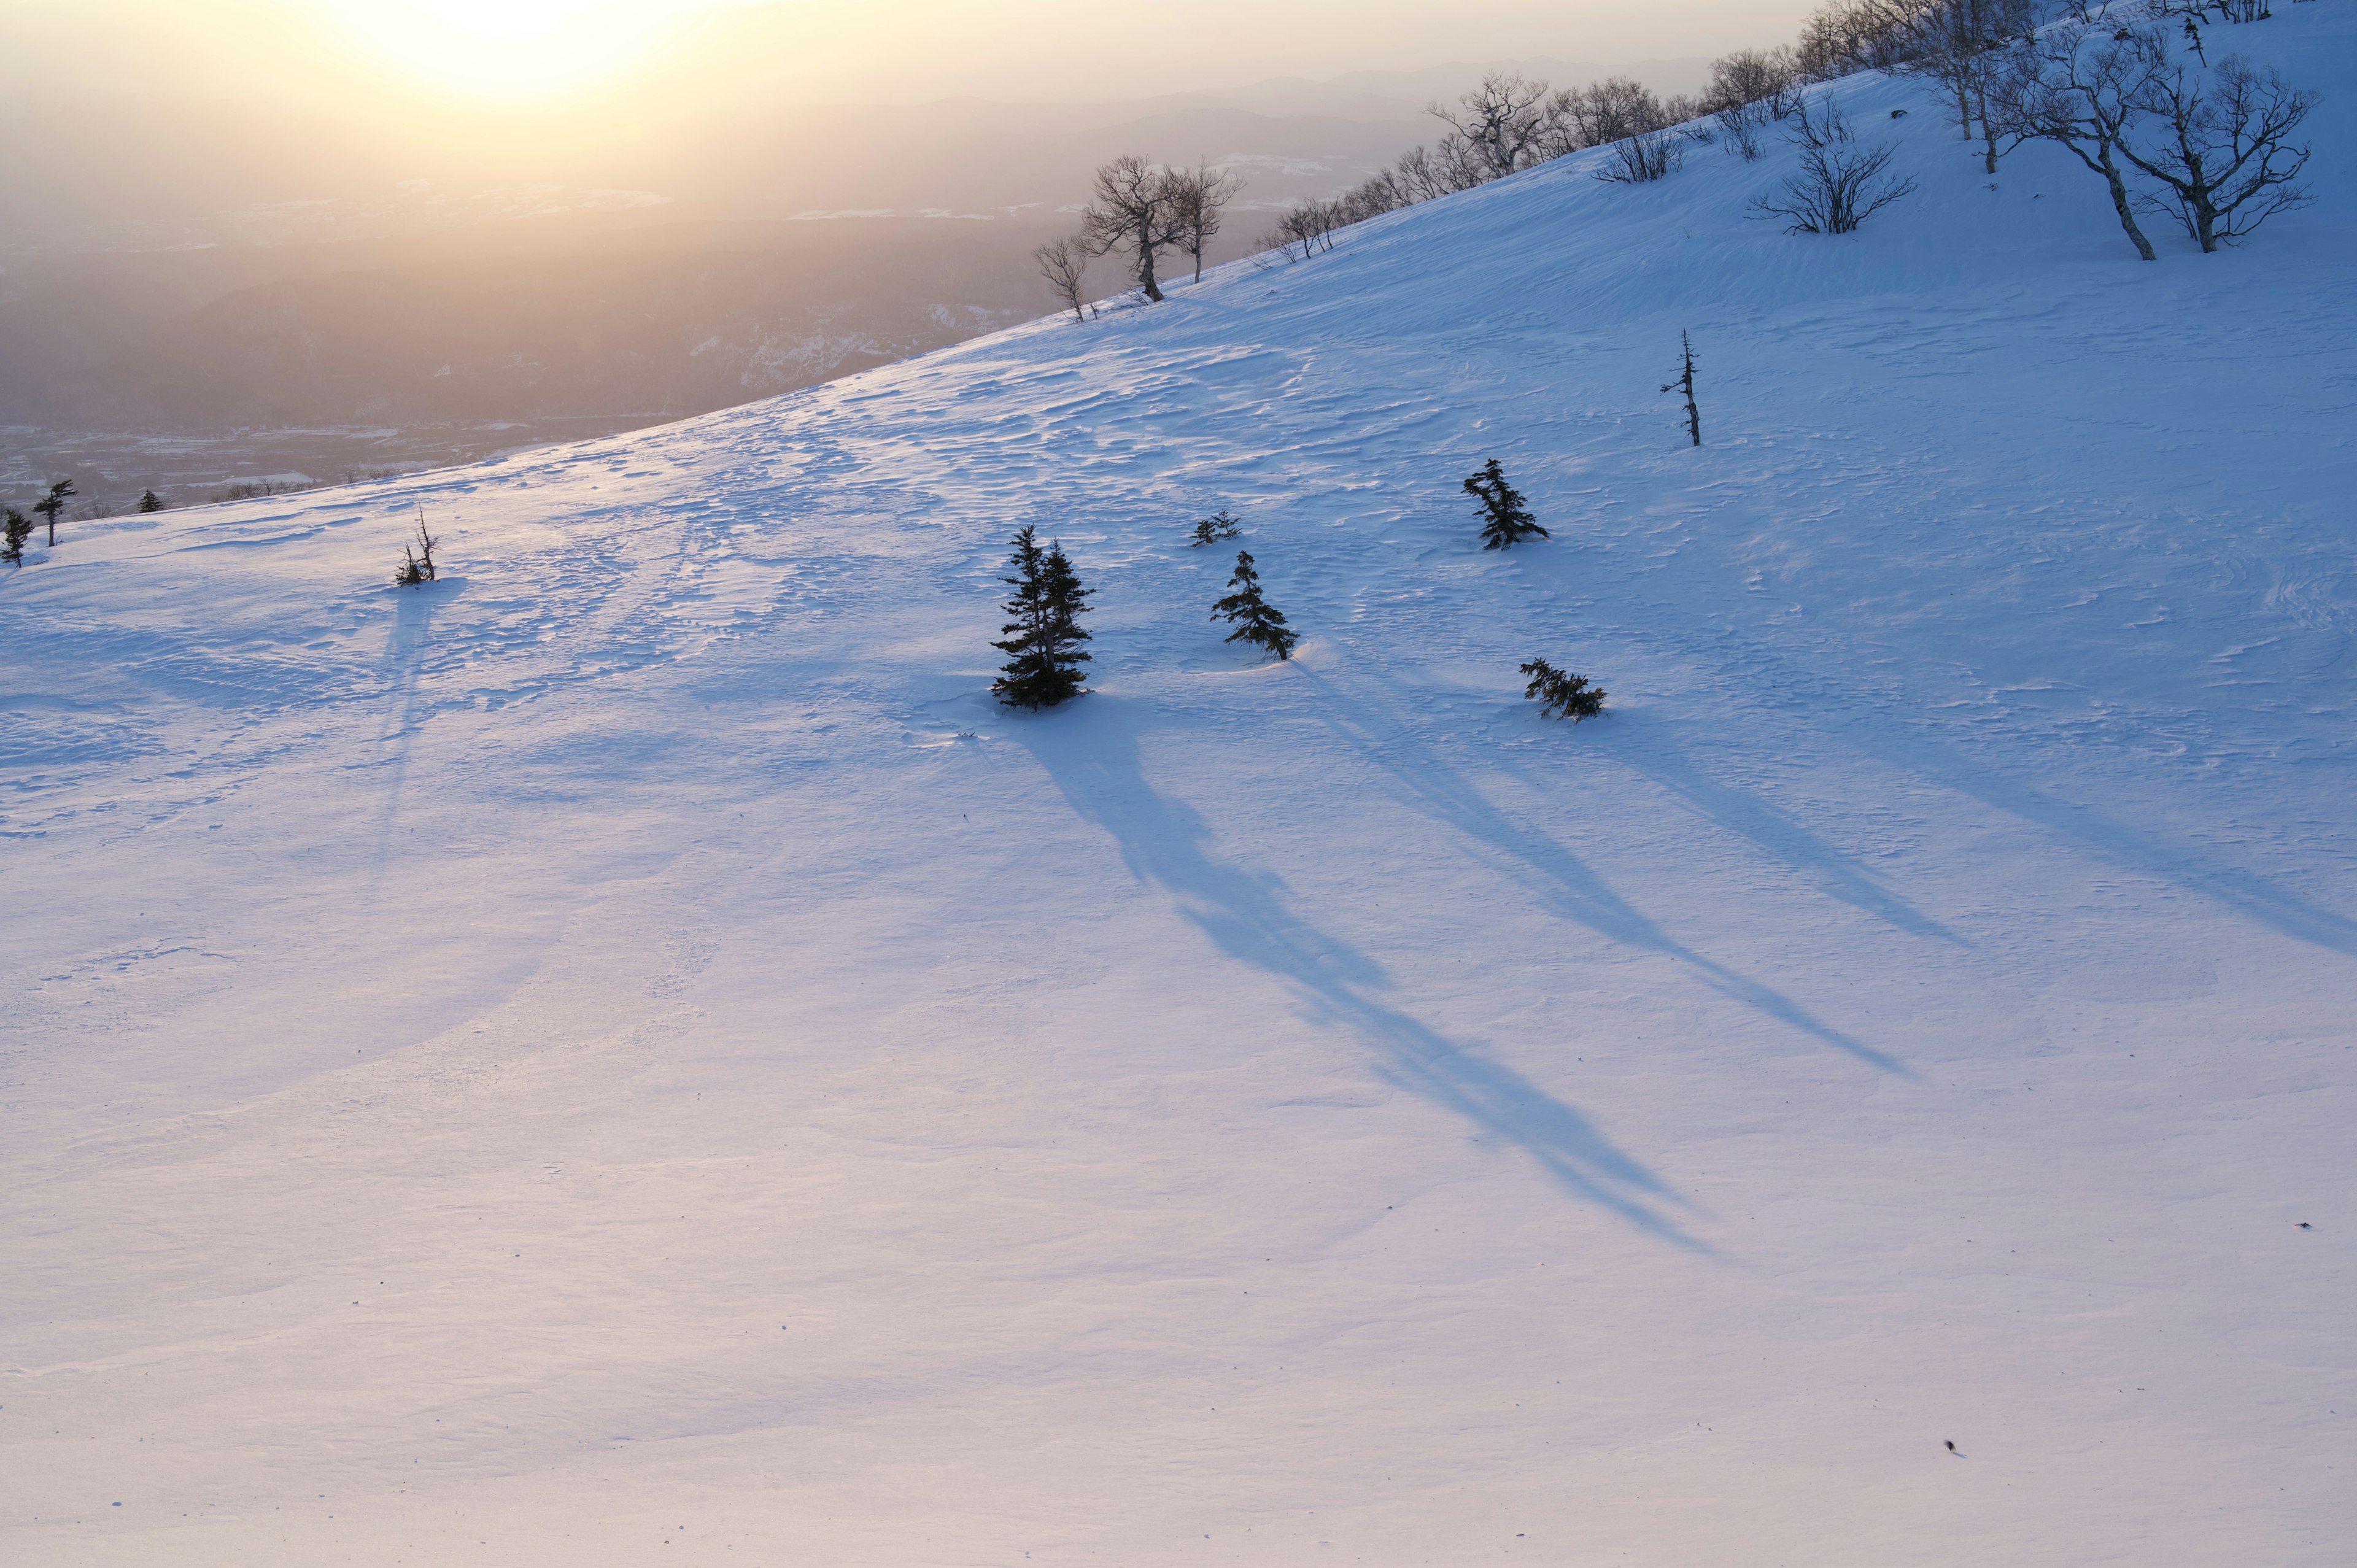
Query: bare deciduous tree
[
  {"x": 1961, "y": 45},
  {"x": 2223, "y": 154},
  {"x": 1439, "y": 170},
  {"x": 1200, "y": 196},
  {"x": 1843, "y": 35},
  {"x": 1639, "y": 126},
  {"x": 1065, "y": 264},
  {"x": 1501, "y": 123},
  {"x": 1766, "y": 76},
  {"x": 1131, "y": 210},
  {"x": 1308, "y": 224},
  {"x": 2079, "y": 84},
  {"x": 1842, "y": 181},
  {"x": 1748, "y": 89}
]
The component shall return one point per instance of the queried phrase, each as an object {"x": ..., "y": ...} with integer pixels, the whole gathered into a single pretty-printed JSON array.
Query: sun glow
[{"x": 510, "y": 51}]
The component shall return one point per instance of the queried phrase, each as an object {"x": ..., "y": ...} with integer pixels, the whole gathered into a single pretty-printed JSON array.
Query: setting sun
[{"x": 508, "y": 49}]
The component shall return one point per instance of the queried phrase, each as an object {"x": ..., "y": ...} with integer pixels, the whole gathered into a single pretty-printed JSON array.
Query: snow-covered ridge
[{"x": 627, "y": 1044}]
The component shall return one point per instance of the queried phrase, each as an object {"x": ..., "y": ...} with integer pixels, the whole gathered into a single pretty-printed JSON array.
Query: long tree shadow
[
  {"x": 1917, "y": 744},
  {"x": 1656, "y": 752},
  {"x": 2185, "y": 865},
  {"x": 1559, "y": 878},
  {"x": 403, "y": 663},
  {"x": 1164, "y": 844}
]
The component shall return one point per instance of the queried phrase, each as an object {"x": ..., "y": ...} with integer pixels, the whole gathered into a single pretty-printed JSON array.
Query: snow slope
[{"x": 626, "y": 1056}]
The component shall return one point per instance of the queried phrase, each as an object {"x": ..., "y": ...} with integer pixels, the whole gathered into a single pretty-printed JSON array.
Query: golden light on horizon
[{"x": 509, "y": 51}]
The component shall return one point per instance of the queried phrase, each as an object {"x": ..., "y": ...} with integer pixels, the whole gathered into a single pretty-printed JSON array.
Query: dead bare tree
[
  {"x": 1065, "y": 264},
  {"x": 1200, "y": 196},
  {"x": 2223, "y": 154},
  {"x": 2081, "y": 85},
  {"x": 1685, "y": 382},
  {"x": 1133, "y": 210}
]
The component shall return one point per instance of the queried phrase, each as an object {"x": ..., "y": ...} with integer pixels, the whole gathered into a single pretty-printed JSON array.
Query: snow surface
[{"x": 627, "y": 1056}]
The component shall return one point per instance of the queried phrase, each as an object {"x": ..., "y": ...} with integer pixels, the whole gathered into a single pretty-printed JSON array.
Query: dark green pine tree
[
  {"x": 1256, "y": 620},
  {"x": 1507, "y": 522},
  {"x": 49, "y": 505},
  {"x": 19, "y": 529},
  {"x": 1561, "y": 694},
  {"x": 1044, "y": 634},
  {"x": 150, "y": 501},
  {"x": 1214, "y": 528}
]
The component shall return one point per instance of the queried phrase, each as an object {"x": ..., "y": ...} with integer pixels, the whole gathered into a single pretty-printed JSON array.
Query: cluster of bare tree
[
  {"x": 1142, "y": 212},
  {"x": 1506, "y": 124},
  {"x": 2210, "y": 143}
]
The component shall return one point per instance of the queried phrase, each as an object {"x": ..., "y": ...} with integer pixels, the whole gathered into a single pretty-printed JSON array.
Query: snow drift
[{"x": 626, "y": 1054}]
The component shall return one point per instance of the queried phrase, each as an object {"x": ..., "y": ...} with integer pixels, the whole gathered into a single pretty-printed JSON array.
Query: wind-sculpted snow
[{"x": 625, "y": 1053}]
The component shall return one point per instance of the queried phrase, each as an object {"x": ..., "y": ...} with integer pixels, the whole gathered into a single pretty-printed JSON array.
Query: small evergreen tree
[
  {"x": 1506, "y": 520},
  {"x": 1255, "y": 619},
  {"x": 49, "y": 505},
  {"x": 19, "y": 529},
  {"x": 1044, "y": 633},
  {"x": 1214, "y": 528},
  {"x": 1561, "y": 694},
  {"x": 417, "y": 560},
  {"x": 150, "y": 501}
]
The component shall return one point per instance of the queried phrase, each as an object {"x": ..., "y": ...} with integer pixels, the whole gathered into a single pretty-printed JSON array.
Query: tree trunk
[
  {"x": 2120, "y": 202},
  {"x": 1145, "y": 268}
]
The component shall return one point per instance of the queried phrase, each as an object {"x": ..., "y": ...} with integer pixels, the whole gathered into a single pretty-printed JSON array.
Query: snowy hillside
[{"x": 626, "y": 1055}]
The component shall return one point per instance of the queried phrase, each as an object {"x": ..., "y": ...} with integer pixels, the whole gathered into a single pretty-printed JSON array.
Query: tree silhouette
[
  {"x": 1507, "y": 520},
  {"x": 49, "y": 505},
  {"x": 1561, "y": 694},
  {"x": 1685, "y": 382},
  {"x": 1256, "y": 620},
  {"x": 1044, "y": 631}
]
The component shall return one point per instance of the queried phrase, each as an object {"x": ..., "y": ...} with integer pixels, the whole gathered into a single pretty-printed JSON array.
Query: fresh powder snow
[{"x": 626, "y": 1055}]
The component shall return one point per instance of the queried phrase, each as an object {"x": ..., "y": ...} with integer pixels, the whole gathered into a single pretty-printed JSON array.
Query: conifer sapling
[
  {"x": 49, "y": 505},
  {"x": 1561, "y": 694},
  {"x": 19, "y": 529},
  {"x": 1256, "y": 620},
  {"x": 417, "y": 560},
  {"x": 1214, "y": 528},
  {"x": 1044, "y": 633},
  {"x": 1506, "y": 520},
  {"x": 150, "y": 501}
]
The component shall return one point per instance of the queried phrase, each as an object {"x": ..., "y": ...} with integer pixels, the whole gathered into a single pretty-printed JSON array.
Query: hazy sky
[{"x": 543, "y": 54}]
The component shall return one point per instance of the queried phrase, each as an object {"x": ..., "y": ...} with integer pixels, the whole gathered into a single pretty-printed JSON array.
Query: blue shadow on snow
[
  {"x": 1164, "y": 843},
  {"x": 1557, "y": 876}
]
